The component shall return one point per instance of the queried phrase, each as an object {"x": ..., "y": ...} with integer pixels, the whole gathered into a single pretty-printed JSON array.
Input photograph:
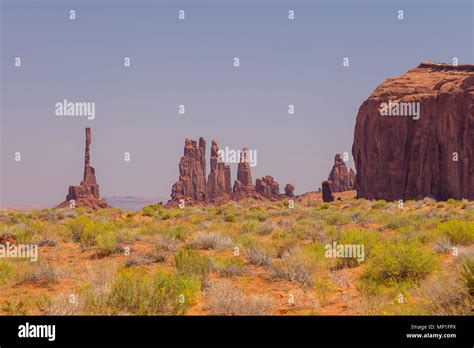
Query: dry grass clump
[
  {"x": 224, "y": 299},
  {"x": 209, "y": 240},
  {"x": 43, "y": 273},
  {"x": 259, "y": 256},
  {"x": 145, "y": 260},
  {"x": 165, "y": 243},
  {"x": 297, "y": 268},
  {"x": 229, "y": 267},
  {"x": 447, "y": 295}
]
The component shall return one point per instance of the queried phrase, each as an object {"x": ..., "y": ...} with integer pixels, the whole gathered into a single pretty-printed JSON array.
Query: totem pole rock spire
[{"x": 87, "y": 193}]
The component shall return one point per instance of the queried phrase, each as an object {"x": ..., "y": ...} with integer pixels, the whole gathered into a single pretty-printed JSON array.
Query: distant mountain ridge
[{"x": 132, "y": 202}]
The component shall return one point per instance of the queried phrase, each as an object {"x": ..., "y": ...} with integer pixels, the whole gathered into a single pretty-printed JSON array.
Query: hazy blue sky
[{"x": 190, "y": 62}]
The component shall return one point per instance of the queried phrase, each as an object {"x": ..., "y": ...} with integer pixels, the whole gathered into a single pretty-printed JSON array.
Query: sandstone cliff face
[
  {"x": 86, "y": 195},
  {"x": 341, "y": 178},
  {"x": 399, "y": 157}
]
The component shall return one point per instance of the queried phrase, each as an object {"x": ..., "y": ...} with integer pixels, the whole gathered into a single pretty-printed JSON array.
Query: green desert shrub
[
  {"x": 91, "y": 231},
  {"x": 230, "y": 218},
  {"x": 189, "y": 262},
  {"x": 459, "y": 232},
  {"x": 398, "y": 261},
  {"x": 134, "y": 293},
  {"x": 380, "y": 204},
  {"x": 129, "y": 235},
  {"x": 27, "y": 232},
  {"x": 256, "y": 214},
  {"x": 152, "y": 209},
  {"x": 7, "y": 272},
  {"x": 285, "y": 246},
  {"x": 48, "y": 215},
  {"x": 362, "y": 240},
  {"x": 397, "y": 221},
  {"x": 106, "y": 242},
  {"x": 76, "y": 227},
  {"x": 249, "y": 226},
  {"x": 316, "y": 251},
  {"x": 178, "y": 232},
  {"x": 230, "y": 267},
  {"x": 324, "y": 206},
  {"x": 266, "y": 228},
  {"x": 337, "y": 218},
  {"x": 247, "y": 240}
]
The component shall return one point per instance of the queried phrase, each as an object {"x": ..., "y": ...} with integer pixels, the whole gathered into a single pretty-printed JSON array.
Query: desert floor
[{"x": 243, "y": 258}]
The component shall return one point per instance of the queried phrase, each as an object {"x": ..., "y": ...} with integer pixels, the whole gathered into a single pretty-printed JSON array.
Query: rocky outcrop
[
  {"x": 327, "y": 191},
  {"x": 218, "y": 182},
  {"x": 86, "y": 195},
  {"x": 341, "y": 178},
  {"x": 289, "y": 188},
  {"x": 267, "y": 187},
  {"x": 400, "y": 154},
  {"x": 243, "y": 185},
  {"x": 191, "y": 185}
]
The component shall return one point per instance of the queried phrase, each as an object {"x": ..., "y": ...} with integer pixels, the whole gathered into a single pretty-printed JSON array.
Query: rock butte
[
  {"x": 341, "y": 178},
  {"x": 86, "y": 195},
  {"x": 401, "y": 158},
  {"x": 192, "y": 186}
]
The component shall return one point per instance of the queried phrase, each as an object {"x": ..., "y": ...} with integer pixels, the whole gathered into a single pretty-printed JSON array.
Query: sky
[{"x": 190, "y": 62}]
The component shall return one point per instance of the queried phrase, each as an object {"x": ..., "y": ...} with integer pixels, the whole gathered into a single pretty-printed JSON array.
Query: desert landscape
[{"x": 394, "y": 236}]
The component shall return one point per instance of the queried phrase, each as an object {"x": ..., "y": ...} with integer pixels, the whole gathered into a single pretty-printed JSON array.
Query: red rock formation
[
  {"x": 327, "y": 191},
  {"x": 267, "y": 187},
  {"x": 402, "y": 158},
  {"x": 243, "y": 185},
  {"x": 342, "y": 179},
  {"x": 289, "y": 188},
  {"x": 191, "y": 185},
  {"x": 85, "y": 195},
  {"x": 218, "y": 182}
]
